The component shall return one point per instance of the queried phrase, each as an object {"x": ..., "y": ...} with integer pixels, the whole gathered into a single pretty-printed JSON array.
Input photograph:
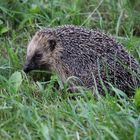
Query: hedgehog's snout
[{"x": 28, "y": 67}]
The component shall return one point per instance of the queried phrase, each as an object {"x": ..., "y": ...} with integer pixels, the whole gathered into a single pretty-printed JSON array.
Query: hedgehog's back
[{"x": 92, "y": 55}]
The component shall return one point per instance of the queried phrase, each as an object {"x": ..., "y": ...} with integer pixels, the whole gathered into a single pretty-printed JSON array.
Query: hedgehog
[{"x": 95, "y": 58}]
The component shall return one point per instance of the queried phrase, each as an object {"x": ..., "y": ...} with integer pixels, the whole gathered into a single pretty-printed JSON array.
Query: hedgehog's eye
[{"x": 38, "y": 55}]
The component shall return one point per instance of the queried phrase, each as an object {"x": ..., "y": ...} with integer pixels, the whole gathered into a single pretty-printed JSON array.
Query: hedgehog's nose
[{"x": 28, "y": 67}]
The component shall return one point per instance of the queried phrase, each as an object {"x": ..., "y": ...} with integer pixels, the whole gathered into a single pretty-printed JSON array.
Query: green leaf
[
  {"x": 35, "y": 9},
  {"x": 4, "y": 30},
  {"x": 1, "y": 22},
  {"x": 15, "y": 81},
  {"x": 137, "y": 98}
]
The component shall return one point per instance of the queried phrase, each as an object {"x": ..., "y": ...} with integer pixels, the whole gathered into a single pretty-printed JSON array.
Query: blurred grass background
[{"x": 31, "y": 110}]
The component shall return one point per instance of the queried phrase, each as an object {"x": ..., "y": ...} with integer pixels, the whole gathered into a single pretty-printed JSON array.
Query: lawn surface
[{"x": 33, "y": 109}]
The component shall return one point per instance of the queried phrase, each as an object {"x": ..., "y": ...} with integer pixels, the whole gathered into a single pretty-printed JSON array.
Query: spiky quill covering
[{"x": 94, "y": 57}]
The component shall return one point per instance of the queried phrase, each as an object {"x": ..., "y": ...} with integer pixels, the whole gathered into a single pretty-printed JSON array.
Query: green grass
[{"x": 30, "y": 107}]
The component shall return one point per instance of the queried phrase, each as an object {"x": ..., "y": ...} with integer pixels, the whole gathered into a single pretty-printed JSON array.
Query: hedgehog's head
[{"x": 42, "y": 52}]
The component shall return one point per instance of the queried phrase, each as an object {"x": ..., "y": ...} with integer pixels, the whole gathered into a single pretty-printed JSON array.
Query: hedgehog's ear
[{"x": 52, "y": 44}]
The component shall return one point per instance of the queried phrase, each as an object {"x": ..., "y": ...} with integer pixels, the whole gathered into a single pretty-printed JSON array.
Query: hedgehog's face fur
[{"x": 42, "y": 52}]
